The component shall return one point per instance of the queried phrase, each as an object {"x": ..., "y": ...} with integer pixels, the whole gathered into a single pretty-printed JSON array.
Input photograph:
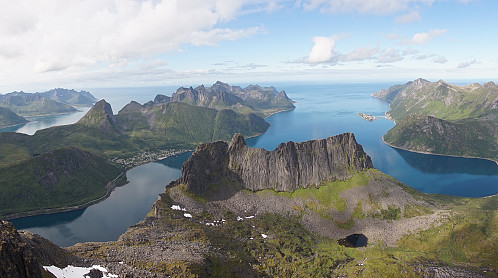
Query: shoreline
[
  {"x": 110, "y": 186},
  {"x": 449, "y": 155},
  {"x": 273, "y": 113},
  {"x": 422, "y": 152}
]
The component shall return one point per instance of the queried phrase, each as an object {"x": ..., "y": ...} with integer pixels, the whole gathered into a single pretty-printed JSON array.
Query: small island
[{"x": 367, "y": 117}]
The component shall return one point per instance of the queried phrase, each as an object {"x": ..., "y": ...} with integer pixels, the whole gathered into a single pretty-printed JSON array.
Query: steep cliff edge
[
  {"x": 22, "y": 254},
  {"x": 289, "y": 167}
]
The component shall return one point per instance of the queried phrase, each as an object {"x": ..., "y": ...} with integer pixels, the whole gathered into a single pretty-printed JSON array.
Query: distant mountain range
[
  {"x": 55, "y": 101},
  {"x": 262, "y": 101},
  {"x": 136, "y": 128},
  {"x": 442, "y": 118}
]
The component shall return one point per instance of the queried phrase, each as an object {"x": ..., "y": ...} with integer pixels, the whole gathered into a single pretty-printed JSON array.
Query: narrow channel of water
[{"x": 321, "y": 111}]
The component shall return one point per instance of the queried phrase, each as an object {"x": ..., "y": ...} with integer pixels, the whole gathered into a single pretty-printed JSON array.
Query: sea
[{"x": 322, "y": 110}]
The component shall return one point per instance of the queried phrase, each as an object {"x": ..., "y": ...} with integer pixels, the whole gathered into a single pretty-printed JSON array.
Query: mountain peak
[
  {"x": 100, "y": 116},
  {"x": 289, "y": 167},
  {"x": 237, "y": 142}
]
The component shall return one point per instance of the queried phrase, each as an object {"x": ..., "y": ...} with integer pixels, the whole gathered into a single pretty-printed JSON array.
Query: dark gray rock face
[
  {"x": 22, "y": 254},
  {"x": 289, "y": 167},
  {"x": 15, "y": 259}
]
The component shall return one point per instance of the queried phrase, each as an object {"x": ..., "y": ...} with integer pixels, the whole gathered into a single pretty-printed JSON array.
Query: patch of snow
[
  {"x": 264, "y": 236},
  {"x": 177, "y": 207},
  {"x": 251, "y": 238},
  {"x": 207, "y": 224},
  {"x": 121, "y": 262},
  {"x": 187, "y": 215},
  {"x": 77, "y": 272},
  {"x": 239, "y": 218},
  {"x": 249, "y": 217}
]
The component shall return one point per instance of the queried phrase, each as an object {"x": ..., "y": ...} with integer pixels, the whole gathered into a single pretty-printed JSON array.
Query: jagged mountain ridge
[
  {"x": 442, "y": 100},
  {"x": 22, "y": 254},
  {"x": 289, "y": 167},
  {"x": 252, "y": 99},
  {"x": 230, "y": 231},
  {"x": 442, "y": 118},
  {"x": 134, "y": 129}
]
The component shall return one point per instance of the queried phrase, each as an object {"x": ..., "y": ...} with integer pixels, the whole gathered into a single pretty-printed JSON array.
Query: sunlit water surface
[{"x": 321, "y": 111}]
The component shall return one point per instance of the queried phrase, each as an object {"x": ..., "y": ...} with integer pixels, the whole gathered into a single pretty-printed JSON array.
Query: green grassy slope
[
  {"x": 463, "y": 242},
  {"x": 442, "y": 118},
  {"x": 473, "y": 138},
  {"x": 63, "y": 177},
  {"x": 9, "y": 118},
  {"x": 173, "y": 125}
]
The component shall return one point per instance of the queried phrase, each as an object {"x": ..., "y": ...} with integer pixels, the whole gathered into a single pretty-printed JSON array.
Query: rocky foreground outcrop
[
  {"x": 22, "y": 254},
  {"x": 289, "y": 167}
]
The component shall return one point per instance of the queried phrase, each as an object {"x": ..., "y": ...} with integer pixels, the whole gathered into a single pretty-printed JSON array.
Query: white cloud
[
  {"x": 406, "y": 18},
  {"x": 54, "y": 35},
  {"x": 360, "y": 54},
  {"x": 439, "y": 60},
  {"x": 421, "y": 38},
  {"x": 377, "y": 7},
  {"x": 389, "y": 55},
  {"x": 467, "y": 64},
  {"x": 410, "y": 51},
  {"x": 322, "y": 51}
]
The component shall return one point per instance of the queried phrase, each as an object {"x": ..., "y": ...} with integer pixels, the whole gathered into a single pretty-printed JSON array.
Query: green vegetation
[
  {"x": 473, "y": 138},
  {"x": 327, "y": 194},
  {"x": 33, "y": 105},
  {"x": 9, "y": 118},
  {"x": 444, "y": 119},
  {"x": 468, "y": 237},
  {"x": 170, "y": 126},
  {"x": 58, "y": 179}
]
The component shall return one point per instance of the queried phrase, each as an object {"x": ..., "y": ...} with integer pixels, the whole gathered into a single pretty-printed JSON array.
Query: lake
[{"x": 321, "y": 111}]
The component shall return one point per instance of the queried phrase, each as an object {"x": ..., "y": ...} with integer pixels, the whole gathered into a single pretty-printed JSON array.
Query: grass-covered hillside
[
  {"x": 231, "y": 232},
  {"x": 9, "y": 118},
  {"x": 134, "y": 129},
  {"x": 466, "y": 137},
  {"x": 61, "y": 178},
  {"x": 442, "y": 118}
]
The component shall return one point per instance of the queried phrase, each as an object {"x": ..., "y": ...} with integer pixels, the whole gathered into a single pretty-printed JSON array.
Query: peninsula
[
  {"x": 240, "y": 223},
  {"x": 441, "y": 118}
]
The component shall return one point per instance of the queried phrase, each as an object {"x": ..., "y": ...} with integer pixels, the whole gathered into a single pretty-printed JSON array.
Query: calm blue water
[{"x": 321, "y": 111}]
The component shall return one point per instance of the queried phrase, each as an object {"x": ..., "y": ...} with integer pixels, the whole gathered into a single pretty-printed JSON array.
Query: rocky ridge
[
  {"x": 442, "y": 118},
  {"x": 289, "y": 167},
  {"x": 22, "y": 254},
  {"x": 252, "y": 99}
]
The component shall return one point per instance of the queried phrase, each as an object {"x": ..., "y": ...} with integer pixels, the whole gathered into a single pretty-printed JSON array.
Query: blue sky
[{"x": 120, "y": 43}]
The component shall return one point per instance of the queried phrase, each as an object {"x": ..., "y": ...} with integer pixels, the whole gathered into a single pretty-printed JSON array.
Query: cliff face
[
  {"x": 289, "y": 167},
  {"x": 22, "y": 254}
]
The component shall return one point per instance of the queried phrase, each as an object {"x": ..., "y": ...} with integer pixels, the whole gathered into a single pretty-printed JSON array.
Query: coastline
[
  {"x": 449, "y": 155},
  {"x": 272, "y": 113},
  {"x": 422, "y": 152},
  {"x": 110, "y": 186}
]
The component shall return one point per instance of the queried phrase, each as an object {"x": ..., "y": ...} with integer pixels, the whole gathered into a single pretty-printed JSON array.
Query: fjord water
[{"x": 321, "y": 111}]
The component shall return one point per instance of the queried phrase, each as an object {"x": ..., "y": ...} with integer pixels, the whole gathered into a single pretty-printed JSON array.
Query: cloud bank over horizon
[{"x": 150, "y": 42}]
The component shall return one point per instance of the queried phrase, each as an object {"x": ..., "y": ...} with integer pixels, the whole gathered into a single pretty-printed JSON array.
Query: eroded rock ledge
[{"x": 289, "y": 167}]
